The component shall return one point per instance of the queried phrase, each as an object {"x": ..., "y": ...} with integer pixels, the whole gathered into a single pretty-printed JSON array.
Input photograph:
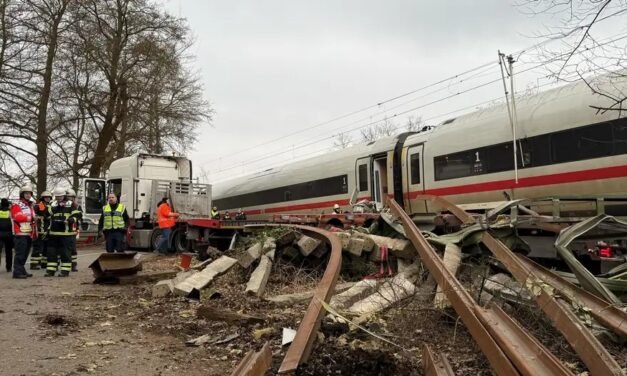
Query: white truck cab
[{"x": 141, "y": 181}]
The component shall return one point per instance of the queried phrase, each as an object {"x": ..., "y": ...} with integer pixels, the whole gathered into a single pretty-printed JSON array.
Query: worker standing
[
  {"x": 58, "y": 236},
  {"x": 165, "y": 220},
  {"x": 113, "y": 224},
  {"x": 336, "y": 209},
  {"x": 215, "y": 214},
  {"x": 240, "y": 215},
  {"x": 24, "y": 231},
  {"x": 38, "y": 257},
  {"x": 76, "y": 216},
  {"x": 6, "y": 233}
]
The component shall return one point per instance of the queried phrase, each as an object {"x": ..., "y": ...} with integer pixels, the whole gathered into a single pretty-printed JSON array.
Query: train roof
[{"x": 563, "y": 107}]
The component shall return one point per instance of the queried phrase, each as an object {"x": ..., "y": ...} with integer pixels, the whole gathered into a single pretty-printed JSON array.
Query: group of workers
[
  {"x": 49, "y": 226},
  {"x": 239, "y": 216}
]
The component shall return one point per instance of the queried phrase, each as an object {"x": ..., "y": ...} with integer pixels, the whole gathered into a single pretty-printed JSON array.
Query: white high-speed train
[{"x": 565, "y": 148}]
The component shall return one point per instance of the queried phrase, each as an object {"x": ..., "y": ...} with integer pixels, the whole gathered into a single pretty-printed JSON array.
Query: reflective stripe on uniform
[
  {"x": 51, "y": 266},
  {"x": 113, "y": 220},
  {"x": 66, "y": 267}
]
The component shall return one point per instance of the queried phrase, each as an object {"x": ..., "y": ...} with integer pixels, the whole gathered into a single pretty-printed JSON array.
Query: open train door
[{"x": 414, "y": 179}]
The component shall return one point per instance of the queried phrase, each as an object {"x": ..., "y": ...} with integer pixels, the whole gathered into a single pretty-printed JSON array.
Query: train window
[
  {"x": 582, "y": 143},
  {"x": 499, "y": 157},
  {"x": 362, "y": 173},
  {"x": 287, "y": 196},
  {"x": 414, "y": 163},
  {"x": 456, "y": 165}
]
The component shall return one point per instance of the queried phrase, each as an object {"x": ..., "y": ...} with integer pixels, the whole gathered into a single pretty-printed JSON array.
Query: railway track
[{"x": 508, "y": 346}]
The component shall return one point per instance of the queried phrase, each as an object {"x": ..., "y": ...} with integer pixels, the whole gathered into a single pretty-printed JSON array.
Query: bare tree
[
  {"x": 342, "y": 141},
  {"x": 581, "y": 54},
  {"x": 376, "y": 131},
  {"x": 414, "y": 123}
]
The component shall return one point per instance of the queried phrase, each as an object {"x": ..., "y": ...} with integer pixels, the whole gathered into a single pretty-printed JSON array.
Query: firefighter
[
  {"x": 240, "y": 215},
  {"x": 38, "y": 257},
  {"x": 336, "y": 209},
  {"x": 215, "y": 214},
  {"x": 113, "y": 223},
  {"x": 6, "y": 233},
  {"x": 59, "y": 235},
  {"x": 24, "y": 231},
  {"x": 165, "y": 219},
  {"x": 227, "y": 216},
  {"x": 77, "y": 214}
]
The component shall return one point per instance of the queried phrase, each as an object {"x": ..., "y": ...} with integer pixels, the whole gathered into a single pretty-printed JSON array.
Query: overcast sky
[{"x": 271, "y": 68}]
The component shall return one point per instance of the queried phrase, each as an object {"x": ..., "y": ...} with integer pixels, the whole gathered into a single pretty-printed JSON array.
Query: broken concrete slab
[
  {"x": 503, "y": 286},
  {"x": 269, "y": 245},
  {"x": 286, "y": 239},
  {"x": 360, "y": 290},
  {"x": 201, "y": 279},
  {"x": 355, "y": 246},
  {"x": 307, "y": 245},
  {"x": 247, "y": 258},
  {"x": 344, "y": 237},
  {"x": 368, "y": 245},
  {"x": 401, "y": 248},
  {"x": 163, "y": 288},
  {"x": 388, "y": 293},
  {"x": 108, "y": 267},
  {"x": 258, "y": 280},
  {"x": 166, "y": 287},
  {"x": 452, "y": 259},
  {"x": 320, "y": 251},
  {"x": 289, "y": 299}
]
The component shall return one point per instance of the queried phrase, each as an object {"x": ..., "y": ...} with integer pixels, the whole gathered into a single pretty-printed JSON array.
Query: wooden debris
[
  {"x": 254, "y": 363},
  {"x": 214, "y": 314},
  {"x": 258, "y": 280}
]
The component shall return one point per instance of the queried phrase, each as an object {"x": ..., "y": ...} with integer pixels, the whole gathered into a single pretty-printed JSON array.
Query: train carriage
[{"x": 565, "y": 147}]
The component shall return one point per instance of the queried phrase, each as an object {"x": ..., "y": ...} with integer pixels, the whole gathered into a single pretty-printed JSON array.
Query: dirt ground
[{"x": 70, "y": 326}]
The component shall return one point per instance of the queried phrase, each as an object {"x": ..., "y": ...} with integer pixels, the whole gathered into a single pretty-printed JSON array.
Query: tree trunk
[{"x": 42, "y": 112}]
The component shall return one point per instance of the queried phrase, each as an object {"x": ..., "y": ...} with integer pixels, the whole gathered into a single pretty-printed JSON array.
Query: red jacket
[{"x": 24, "y": 219}]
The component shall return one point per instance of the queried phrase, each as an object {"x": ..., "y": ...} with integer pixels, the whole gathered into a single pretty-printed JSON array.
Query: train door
[
  {"x": 414, "y": 172},
  {"x": 380, "y": 179},
  {"x": 362, "y": 178}
]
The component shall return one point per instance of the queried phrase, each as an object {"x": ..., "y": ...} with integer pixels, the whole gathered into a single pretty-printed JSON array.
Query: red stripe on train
[
  {"x": 296, "y": 207},
  {"x": 533, "y": 181}
]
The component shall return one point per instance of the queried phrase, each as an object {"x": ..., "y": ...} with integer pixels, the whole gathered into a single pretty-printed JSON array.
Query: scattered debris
[
  {"x": 258, "y": 280},
  {"x": 254, "y": 363},
  {"x": 288, "y": 336},
  {"x": 253, "y": 253},
  {"x": 192, "y": 285},
  {"x": 109, "y": 267},
  {"x": 214, "y": 314},
  {"x": 298, "y": 297}
]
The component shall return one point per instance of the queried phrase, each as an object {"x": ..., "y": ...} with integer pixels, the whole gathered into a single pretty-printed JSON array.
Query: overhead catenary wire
[
  {"x": 493, "y": 101},
  {"x": 385, "y": 113}
]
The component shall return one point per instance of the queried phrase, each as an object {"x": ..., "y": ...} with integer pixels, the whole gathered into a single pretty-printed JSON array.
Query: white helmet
[
  {"x": 336, "y": 206},
  {"x": 26, "y": 188},
  {"x": 59, "y": 192},
  {"x": 70, "y": 192},
  {"x": 46, "y": 194}
]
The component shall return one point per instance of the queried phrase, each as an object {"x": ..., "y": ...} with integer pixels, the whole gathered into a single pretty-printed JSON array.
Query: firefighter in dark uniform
[
  {"x": 38, "y": 257},
  {"x": 6, "y": 233},
  {"x": 77, "y": 215},
  {"x": 58, "y": 235}
]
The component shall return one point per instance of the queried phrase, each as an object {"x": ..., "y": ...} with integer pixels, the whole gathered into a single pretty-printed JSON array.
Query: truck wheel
[{"x": 180, "y": 242}]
